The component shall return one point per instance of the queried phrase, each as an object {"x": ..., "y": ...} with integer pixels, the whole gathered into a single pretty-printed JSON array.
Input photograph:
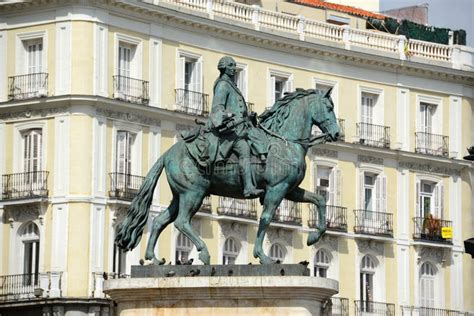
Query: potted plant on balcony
[{"x": 431, "y": 227}]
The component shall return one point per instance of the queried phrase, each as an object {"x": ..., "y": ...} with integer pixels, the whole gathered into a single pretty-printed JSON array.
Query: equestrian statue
[{"x": 239, "y": 155}]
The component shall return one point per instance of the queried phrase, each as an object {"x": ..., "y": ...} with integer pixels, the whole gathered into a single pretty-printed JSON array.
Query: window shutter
[
  {"x": 180, "y": 72},
  {"x": 242, "y": 82},
  {"x": 439, "y": 200},
  {"x": 37, "y": 150},
  {"x": 361, "y": 191},
  {"x": 383, "y": 194},
  {"x": 418, "y": 199},
  {"x": 332, "y": 180},
  {"x": 289, "y": 85},
  {"x": 272, "y": 91},
  {"x": 338, "y": 186},
  {"x": 130, "y": 140},
  {"x": 197, "y": 76},
  {"x": 378, "y": 193},
  {"x": 120, "y": 158}
]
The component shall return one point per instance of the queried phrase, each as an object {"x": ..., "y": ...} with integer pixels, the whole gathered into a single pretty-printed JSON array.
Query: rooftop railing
[
  {"x": 374, "y": 308},
  {"x": 237, "y": 208},
  {"x": 206, "y": 205},
  {"x": 124, "y": 186},
  {"x": 28, "y": 86},
  {"x": 306, "y": 29},
  {"x": 432, "y": 144},
  {"x": 25, "y": 185},
  {"x": 429, "y": 311},
  {"x": 336, "y": 218},
  {"x": 373, "y": 223},
  {"x": 288, "y": 213},
  {"x": 429, "y": 229},
  {"x": 191, "y": 102},
  {"x": 131, "y": 90},
  {"x": 373, "y": 135}
]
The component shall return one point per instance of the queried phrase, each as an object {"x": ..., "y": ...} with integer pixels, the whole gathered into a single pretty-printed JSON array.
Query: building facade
[{"x": 92, "y": 92}]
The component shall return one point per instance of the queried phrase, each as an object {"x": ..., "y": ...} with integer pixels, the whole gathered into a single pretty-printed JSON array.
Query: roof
[{"x": 340, "y": 8}]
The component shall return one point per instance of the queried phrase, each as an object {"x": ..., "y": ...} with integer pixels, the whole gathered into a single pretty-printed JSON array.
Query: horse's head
[{"x": 324, "y": 117}]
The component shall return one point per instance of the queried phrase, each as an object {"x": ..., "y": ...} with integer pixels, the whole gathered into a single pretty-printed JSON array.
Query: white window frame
[
  {"x": 20, "y": 128},
  {"x": 137, "y": 150},
  {"x": 136, "y": 65},
  {"x": 283, "y": 250},
  {"x": 173, "y": 243},
  {"x": 379, "y": 172},
  {"x": 437, "y": 119},
  {"x": 272, "y": 74},
  {"x": 379, "y": 275},
  {"x": 180, "y": 73},
  {"x": 226, "y": 253},
  {"x": 243, "y": 70},
  {"x": 438, "y": 204},
  {"x": 21, "y": 64},
  {"x": 378, "y": 110},
  {"x": 322, "y": 265},
  {"x": 429, "y": 278},
  {"x": 183, "y": 248},
  {"x": 334, "y": 93},
  {"x": 335, "y": 181}
]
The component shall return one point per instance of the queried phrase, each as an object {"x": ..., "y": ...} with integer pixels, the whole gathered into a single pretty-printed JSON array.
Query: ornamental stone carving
[
  {"x": 428, "y": 168},
  {"x": 280, "y": 234},
  {"x": 370, "y": 159},
  {"x": 436, "y": 255},
  {"x": 25, "y": 213},
  {"x": 27, "y": 114},
  {"x": 233, "y": 229},
  {"x": 370, "y": 246},
  {"x": 134, "y": 118},
  {"x": 328, "y": 242},
  {"x": 325, "y": 152}
]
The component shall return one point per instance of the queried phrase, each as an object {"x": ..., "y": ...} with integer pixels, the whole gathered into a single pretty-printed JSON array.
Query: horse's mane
[{"x": 274, "y": 117}]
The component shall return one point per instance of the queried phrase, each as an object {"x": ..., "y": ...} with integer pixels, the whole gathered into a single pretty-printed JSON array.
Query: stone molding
[
  {"x": 429, "y": 168},
  {"x": 229, "y": 229},
  {"x": 365, "y": 246},
  {"x": 129, "y": 117},
  {"x": 325, "y": 153},
  {"x": 29, "y": 114},
  {"x": 370, "y": 159}
]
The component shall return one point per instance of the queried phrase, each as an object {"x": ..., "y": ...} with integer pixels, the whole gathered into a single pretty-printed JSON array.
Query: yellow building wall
[{"x": 82, "y": 68}]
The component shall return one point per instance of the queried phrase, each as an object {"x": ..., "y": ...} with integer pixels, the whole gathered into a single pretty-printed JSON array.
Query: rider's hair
[{"x": 223, "y": 62}]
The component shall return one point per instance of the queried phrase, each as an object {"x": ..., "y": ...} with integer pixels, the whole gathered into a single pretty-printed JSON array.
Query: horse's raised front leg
[
  {"x": 302, "y": 195},
  {"x": 189, "y": 204},
  {"x": 272, "y": 200},
  {"x": 159, "y": 223}
]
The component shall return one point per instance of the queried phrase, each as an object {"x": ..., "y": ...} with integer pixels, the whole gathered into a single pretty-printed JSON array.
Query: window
[
  {"x": 29, "y": 236},
  {"x": 367, "y": 272},
  {"x": 119, "y": 261},
  {"x": 231, "y": 251},
  {"x": 34, "y": 53},
  {"x": 368, "y": 101},
  {"x": 322, "y": 88},
  {"x": 280, "y": 83},
  {"x": 183, "y": 248},
  {"x": 32, "y": 151},
  {"x": 240, "y": 79},
  {"x": 427, "y": 285},
  {"x": 328, "y": 184},
  {"x": 277, "y": 252},
  {"x": 427, "y": 112},
  {"x": 368, "y": 191},
  {"x": 321, "y": 264},
  {"x": 373, "y": 195},
  {"x": 124, "y": 153},
  {"x": 189, "y": 96},
  {"x": 430, "y": 198}
]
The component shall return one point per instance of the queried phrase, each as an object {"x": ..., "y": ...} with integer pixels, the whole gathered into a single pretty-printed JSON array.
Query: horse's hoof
[
  {"x": 314, "y": 237},
  {"x": 160, "y": 262},
  {"x": 205, "y": 257}
]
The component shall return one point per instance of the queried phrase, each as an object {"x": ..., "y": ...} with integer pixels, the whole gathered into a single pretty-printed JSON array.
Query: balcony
[
  {"x": 429, "y": 229},
  {"x": 206, "y": 205},
  {"x": 340, "y": 306},
  {"x": 27, "y": 286},
  {"x": 373, "y": 135},
  {"x": 374, "y": 308},
  {"x": 373, "y": 223},
  {"x": 191, "y": 102},
  {"x": 28, "y": 86},
  {"x": 429, "y": 311},
  {"x": 336, "y": 218},
  {"x": 131, "y": 90},
  {"x": 288, "y": 213},
  {"x": 124, "y": 186},
  {"x": 246, "y": 209},
  {"x": 316, "y": 131},
  {"x": 25, "y": 185},
  {"x": 432, "y": 144}
]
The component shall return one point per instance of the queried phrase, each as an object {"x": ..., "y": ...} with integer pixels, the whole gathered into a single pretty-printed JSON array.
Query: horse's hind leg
[
  {"x": 159, "y": 223},
  {"x": 189, "y": 204},
  {"x": 302, "y": 195}
]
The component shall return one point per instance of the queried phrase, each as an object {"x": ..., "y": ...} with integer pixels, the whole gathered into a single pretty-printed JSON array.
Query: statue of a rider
[{"x": 235, "y": 126}]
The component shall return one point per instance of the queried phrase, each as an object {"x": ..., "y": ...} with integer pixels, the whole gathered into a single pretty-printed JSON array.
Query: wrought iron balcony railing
[
  {"x": 374, "y": 308},
  {"x": 206, "y": 205},
  {"x": 429, "y": 229},
  {"x": 25, "y": 185},
  {"x": 28, "y": 86},
  {"x": 342, "y": 125},
  {"x": 336, "y": 218},
  {"x": 340, "y": 306},
  {"x": 191, "y": 102},
  {"x": 373, "y": 223},
  {"x": 24, "y": 286},
  {"x": 288, "y": 213},
  {"x": 124, "y": 186},
  {"x": 237, "y": 208},
  {"x": 429, "y": 311},
  {"x": 131, "y": 90},
  {"x": 432, "y": 144},
  {"x": 373, "y": 135}
]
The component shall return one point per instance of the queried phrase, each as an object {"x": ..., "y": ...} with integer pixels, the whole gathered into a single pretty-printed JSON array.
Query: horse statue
[{"x": 288, "y": 127}]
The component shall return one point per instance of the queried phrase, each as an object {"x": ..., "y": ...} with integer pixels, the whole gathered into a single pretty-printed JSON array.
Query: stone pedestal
[{"x": 221, "y": 295}]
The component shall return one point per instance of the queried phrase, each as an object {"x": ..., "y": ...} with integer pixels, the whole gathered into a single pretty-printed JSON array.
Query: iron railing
[
  {"x": 124, "y": 186},
  {"x": 373, "y": 135},
  {"x": 25, "y": 185},
  {"x": 429, "y": 311},
  {"x": 191, "y": 102},
  {"x": 373, "y": 223},
  {"x": 336, "y": 218},
  {"x": 432, "y": 144},
  {"x": 131, "y": 90},
  {"x": 374, "y": 308},
  {"x": 429, "y": 229},
  {"x": 206, "y": 205},
  {"x": 237, "y": 208},
  {"x": 288, "y": 213},
  {"x": 28, "y": 86},
  {"x": 342, "y": 126},
  {"x": 340, "y": 306}
]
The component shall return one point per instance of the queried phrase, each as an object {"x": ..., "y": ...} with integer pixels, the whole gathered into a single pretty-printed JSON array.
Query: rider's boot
[{"x": 249, "y": 188}]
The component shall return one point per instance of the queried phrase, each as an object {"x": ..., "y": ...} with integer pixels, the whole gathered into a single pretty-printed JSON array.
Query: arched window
[
  {"x": 29, "y": 237},
  {"x": 183, "y": 248},
  {"x": 321, "y": 264},
  {"x": 427, "y": 284},
  {"x": 277, "y": 252},
  {"x": 367, "y": 272},
  {"x": 231, "y": 251}
]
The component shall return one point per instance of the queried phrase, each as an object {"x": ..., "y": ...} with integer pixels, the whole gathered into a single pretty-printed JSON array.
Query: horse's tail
[{"x": 130, "y": 231}]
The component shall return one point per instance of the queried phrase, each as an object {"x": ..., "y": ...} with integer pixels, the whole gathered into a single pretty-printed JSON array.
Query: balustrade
[
  {"x": 131, "y": 90},
  {"x": 25, "y": 185},
  {"x": 373, "y": 135},
  {"x": 432, "y": 144},
  {"x": 373, "y": 223}
]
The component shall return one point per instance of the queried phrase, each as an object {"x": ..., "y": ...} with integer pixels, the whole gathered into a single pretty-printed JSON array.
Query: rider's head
[{"x": 227, "y": 65}]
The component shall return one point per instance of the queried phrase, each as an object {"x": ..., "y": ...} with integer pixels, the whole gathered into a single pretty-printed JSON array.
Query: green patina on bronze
[{"x": 203, "y": 163}]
